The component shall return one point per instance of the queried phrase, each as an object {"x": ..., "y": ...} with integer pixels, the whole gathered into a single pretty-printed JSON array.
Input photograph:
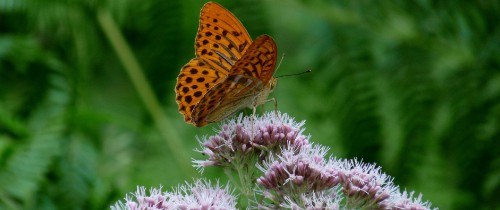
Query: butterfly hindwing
[
  {"x": 259, "y": 61},
  {"x": 247, "y": 80},
  {"x": 225, "y": 99},
  {"x": 195, "y": 79}
]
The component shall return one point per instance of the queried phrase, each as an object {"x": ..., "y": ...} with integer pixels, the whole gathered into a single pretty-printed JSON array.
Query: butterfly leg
[
  {"x": 275, "y": 109},
  {"x": 276, "y": 112},
  {"x": 253, "y": 121}
]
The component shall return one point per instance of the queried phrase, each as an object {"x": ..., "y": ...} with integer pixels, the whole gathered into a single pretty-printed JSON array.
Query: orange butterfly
[{"x": 229, "y": 72}]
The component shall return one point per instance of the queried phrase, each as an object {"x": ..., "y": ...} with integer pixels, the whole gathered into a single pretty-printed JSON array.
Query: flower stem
[{"x": 134, "y": 71}]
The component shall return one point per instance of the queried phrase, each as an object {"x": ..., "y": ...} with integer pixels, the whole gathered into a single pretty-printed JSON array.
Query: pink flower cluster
[
  {"x": 200, "y": 195},
  {"x": 275, "y": 166},
  {"x": 296, "y": 173}
]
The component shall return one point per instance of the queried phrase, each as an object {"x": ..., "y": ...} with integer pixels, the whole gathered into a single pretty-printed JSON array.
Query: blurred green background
[{"x": 413, "y": 86}]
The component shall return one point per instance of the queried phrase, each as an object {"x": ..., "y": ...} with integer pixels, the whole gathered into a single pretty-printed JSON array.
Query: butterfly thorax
[{"x": 261, "y": 98}]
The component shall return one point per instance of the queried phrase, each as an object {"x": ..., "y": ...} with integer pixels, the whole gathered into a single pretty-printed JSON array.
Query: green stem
[
  {"x": 243, "y": 180},
  {"x": 9, "y": 202},
  {"x": 134, "y": 71}
]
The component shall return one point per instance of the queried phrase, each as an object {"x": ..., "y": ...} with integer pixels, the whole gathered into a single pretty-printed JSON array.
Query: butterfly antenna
[
  {"x": 279, "y": 64},
  {"x": 294, "y": 74}
]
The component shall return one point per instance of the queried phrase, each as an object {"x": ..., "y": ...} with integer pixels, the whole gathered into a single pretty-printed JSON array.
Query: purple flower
[
  {"x": 155, "y": 200},
  {"x": 245, "y": 138},
  {"x": 406, "y": 200},
  {"x": 305, "y": 179},
  {"x": 200, "y": 195},
  {"x": 297, "y": 171},
  {"x": 364, "y": 184},
  {"x": 328, "y": 199}
]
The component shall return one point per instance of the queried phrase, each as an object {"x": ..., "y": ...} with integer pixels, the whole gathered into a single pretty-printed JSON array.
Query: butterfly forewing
[
  {"x": 220, "y": 42},
  {"x": 221, "y": 38}
]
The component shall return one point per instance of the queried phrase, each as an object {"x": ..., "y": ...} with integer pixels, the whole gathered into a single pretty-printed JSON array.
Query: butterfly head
[{"x": 272, "y": 83}]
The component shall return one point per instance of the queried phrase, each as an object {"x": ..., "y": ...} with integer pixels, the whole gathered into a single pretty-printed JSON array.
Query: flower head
[
  {"x": 406, "y": 200},
  {"x": 364, "y": 184},
  {"x": 327, "y": 200},
  {"x": 249, "y": 136},
  {"x": 156, "y": 200},
  {"x": 298, "y": 170},
  {"x": 200, "y": 195}
]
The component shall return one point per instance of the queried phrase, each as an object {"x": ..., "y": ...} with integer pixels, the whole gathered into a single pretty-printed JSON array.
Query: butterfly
[{"x": 230, "y": 71}]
